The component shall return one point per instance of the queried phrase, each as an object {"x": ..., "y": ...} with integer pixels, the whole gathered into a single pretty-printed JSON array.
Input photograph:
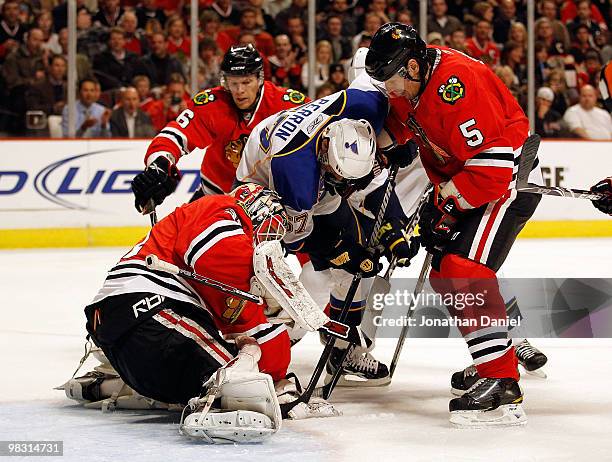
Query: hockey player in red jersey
[
  {"x": 166, "y": 336},
  {"x": 470, "y": 132},
  {"x": 218, "y": 120}
]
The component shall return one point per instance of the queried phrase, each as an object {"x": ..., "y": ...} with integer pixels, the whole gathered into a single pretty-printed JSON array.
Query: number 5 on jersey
[{"x": 473, "y": 135}]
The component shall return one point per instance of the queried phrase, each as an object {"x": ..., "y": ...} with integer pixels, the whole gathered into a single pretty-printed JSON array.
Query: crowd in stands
[{"x": 133, "y": 56}]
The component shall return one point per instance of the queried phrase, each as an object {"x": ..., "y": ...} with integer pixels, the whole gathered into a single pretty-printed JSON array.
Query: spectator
[
  {"x": 325, "y": 90},
  {"x": 518, "y": 34},
  {"x": 153, "y": 107},
  {"x": 274, "y": 7},
  {"x": 513, "y": 56},
  {"x": 83, "y": 64},
  {"x": 337, "y": 77},
  {"x": 556, "y": 82},
  {"x": 128, "y": 120},
  {"x": 248, "y": 23},
  {"x": 44, "y": 21},
  {"x": 582, "y": 43},
  {"x": 507, "y": 76},
  {"x": 285, "y": 70},
  {"x": 158, "y": 65},
  {"x": 264, "y": 20},
  {"x": 542, "y": 68},
  {"x": 605, "y": 49},
  {"x": 109, "y": 14},
  {"x": 295, "y": 31},
  {"x": 134, "y": 40},
  {"x": 435, "y": 38},
  {"x": 90, "y": 40},
  {"x": 583, "y": 17},
  {"x": 404, "y": 17},
  {"x": 457, "y": 40},
  {"x": 339, "y": 8},
  {"x": 592, "y": 67},
  {"x": 543, "y": 32},
  {"x": 115, "y": 67},
  {"x": 209, "y": 63},
  {"x": 342, "y": 50},
  {"x": 548, "y": 122},
  {"x": 297, "y": 9},
  {"x": 569, "y": 10},
  {"x": 480, "y": 10},
  {"x": 321, "y": 67},
  {"x": 379, "y": 7},
  {"x": 25, "y": 66},
  {"x": 441, "y": 22},
  {"x": 587, "y": 121},
  {"x": 211, "y": 24},
  {"x": 91, "y": 117},
  {"x": 175, "y": 98},
  {"x": 371, "y": 24},
  {"x": 506, "y": 15},
  {"x": 548, "y": 9},
  {"x": 248, "y": 38},
  {"x": 60, "y": 14},
  {"x": 481, "y": 47},
  {"x": 49, "y": 95},
  {"x": 179, "y": 45},
  {"x": 148, "y": 10},
  {"x": 11, "y": 30},
  {"x": 228, "y": 15}
]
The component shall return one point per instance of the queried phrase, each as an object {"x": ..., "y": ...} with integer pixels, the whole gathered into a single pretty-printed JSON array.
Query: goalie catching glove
[
  {"x": 395, "y": 243},
  {"x": 440, "y": 215},
  {"x": 605, "y": 204},
  {"x": 157, "y": 182}
]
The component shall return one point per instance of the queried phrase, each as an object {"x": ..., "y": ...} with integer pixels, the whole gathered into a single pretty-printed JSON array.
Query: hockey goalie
[{"x": 166, "y": 339}]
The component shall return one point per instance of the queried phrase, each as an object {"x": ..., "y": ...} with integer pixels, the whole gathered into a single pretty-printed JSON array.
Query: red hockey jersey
[
  {"x": 214, "y": 237},
  {"x": 212, "y": 121},
  {"x": 468, "y": 126}
]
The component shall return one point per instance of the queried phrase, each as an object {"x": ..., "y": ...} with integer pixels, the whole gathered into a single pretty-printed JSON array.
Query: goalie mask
[
  {"x": 263, "y": 207},
  {"x": 347, "y": 164}
]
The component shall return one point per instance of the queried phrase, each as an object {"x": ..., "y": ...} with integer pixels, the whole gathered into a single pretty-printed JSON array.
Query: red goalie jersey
[
  {"x": 212, "y": 121},
  {"x": 468, "y": 126},
  {"x": 213, "y": 236}
]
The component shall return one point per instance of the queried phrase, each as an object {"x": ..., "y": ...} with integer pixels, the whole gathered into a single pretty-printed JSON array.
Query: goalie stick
[
  {"x": 316, "y": 375},
  {"x": 528, "y": 154},
  {"x": 333, "y": 328}
]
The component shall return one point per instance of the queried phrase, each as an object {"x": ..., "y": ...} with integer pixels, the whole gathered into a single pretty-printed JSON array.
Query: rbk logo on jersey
[{"x": 452, "y": 91}]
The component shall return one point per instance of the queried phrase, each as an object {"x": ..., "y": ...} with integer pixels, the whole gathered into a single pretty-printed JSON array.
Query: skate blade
[
  {"x": 457, "y": 392},
  {"x": 504, "y": 416},
  {"x": 350, "y": 380},
  {"x": 539, "y": 373}
]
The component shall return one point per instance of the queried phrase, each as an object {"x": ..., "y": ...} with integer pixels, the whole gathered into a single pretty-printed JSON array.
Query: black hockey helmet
[
  {"x": 392, "y": 46},
  {"x": 242, "y": 60}
]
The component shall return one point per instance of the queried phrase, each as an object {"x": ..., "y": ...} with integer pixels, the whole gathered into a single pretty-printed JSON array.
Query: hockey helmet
[
  {"x": 350, "y": 153},
  {"x": 242, "y": 60},
  {"x": 265, "y": 210},
  {"x": 392, "y": 46}
]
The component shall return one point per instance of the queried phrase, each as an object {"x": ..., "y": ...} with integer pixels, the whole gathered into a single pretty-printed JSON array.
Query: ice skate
[
  {"x": 531, "y": 359},
  {"x": 360, "y": 369}
]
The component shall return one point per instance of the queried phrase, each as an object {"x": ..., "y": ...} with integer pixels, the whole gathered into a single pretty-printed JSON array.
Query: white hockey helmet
[
  {"x": 265, "y": 210},
  {"x": 352, "y": 146}
]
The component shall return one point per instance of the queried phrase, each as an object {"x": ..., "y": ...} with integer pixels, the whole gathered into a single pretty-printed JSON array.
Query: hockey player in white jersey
[{"x": 310, "y": 156}]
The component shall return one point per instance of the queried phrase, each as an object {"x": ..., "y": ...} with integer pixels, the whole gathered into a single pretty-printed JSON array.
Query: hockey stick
[
  {"x": 149, "y": 209},
  {"x": 154, "y": 263},
  {"x": 329, "y": 345},
  {"x": 411, "y": 306}
]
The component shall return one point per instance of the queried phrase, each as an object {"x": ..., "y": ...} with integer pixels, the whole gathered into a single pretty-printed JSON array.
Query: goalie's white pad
[
  {"x": 249, "y": 412},
  {"x": 282, "y": 284}
]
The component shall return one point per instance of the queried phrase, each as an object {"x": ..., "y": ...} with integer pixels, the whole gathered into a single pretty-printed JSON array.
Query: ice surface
[{"x": 41, "y": 324}]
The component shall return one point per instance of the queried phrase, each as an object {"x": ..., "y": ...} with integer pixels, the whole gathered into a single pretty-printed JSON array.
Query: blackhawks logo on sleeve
[
  {"x": 452, "y": 91},
  {"x": 233, "y": 149},
  {"x": 294, "y": 96},
  {"x": 203, "y": 97}
]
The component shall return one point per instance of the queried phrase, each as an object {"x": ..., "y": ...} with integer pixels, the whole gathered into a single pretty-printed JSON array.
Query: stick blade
[{"x": 528, "y": 155}]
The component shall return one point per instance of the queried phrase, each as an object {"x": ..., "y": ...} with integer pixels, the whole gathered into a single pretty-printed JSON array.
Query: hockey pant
[
  {"x": 466, "y": 267},
  {"x": 166, "y": 353}
]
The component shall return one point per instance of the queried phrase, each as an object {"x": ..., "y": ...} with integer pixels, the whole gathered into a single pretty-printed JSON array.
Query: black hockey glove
[
  {"x": 353, "y": 258},
  {"x": 393, "y": 238},
  {"x": 402, "y": 155},
  {"x": 438, "y": 220},
  {"x": 605, "y": 204},
  {"x": 157, "y": 182}
]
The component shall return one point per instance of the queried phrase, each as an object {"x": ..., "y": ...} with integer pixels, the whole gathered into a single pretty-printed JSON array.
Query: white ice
[{"x": 42, "y": 329}]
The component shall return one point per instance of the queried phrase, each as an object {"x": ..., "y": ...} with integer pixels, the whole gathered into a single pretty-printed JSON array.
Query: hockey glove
[
  {"x": 393, "y": 239},
  {"x": 438, "y": 220},
  {"x": 402, "y": 155},
  {"x": 157, "y": 182},
  {"x": 605, "y": 204},
  {"x": 353, "y": 258}
]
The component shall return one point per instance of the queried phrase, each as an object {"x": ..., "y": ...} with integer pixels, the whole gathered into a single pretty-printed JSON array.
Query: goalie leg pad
[{"x": 218, "y": 427}]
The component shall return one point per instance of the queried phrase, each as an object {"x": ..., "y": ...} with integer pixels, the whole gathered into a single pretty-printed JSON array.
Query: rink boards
[{"x": 74, "y": 193}]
